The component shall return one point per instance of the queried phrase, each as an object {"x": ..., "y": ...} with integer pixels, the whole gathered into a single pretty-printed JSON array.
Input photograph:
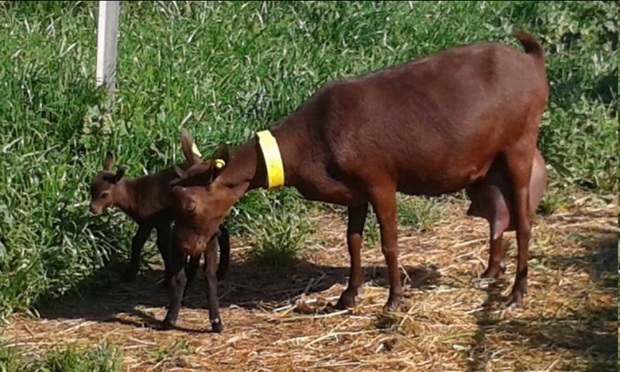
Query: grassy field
[{"x": 225, "y": 70}]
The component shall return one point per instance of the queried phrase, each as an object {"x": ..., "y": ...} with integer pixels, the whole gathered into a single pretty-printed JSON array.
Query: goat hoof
[
  {"x": 494, "y": 271},
  {"x": 393, "y": 304},
  {"x": 346, "y": 300},
  {"x": 491, "y": 273},
  {"x": 217, "y": 326},
  {"x": 167, "y": 324},
  {"x": 487, "y": 274},
  {"x": 516, "y": 301}
]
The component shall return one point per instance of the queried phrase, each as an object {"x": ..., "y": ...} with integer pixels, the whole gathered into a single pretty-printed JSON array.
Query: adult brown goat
[{"x": 431, "y": 126}]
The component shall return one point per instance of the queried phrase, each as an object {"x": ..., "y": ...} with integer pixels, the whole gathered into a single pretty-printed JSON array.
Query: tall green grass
[{"x": 225, "y": 70}]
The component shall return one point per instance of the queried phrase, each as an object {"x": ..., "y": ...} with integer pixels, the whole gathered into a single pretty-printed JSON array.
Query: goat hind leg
[
  {"x": 384, "y": 204},
  {"x": 519, "y": 163},
  {"x": 137, "y": 243},
  {"x": 496, "y": 266}
]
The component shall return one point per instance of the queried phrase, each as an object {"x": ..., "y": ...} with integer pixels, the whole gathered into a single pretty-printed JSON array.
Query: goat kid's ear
[
  {"x": 108, "y": 162},
  {"x": 120, "y": 172},
  {"x": 189, "y": 149},
  {"x": 179, "y": 172},
  {"x": 220, "y": 159}
]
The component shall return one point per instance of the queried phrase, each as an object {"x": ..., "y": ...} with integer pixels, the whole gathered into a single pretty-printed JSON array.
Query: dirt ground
[{"x": 452, "y": 321}]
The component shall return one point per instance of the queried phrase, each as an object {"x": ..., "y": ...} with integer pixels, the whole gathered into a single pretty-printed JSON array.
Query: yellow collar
[{"x": 273, "y": 160}]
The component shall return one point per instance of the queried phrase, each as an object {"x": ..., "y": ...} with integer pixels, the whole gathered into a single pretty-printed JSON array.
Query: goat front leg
[
  {"x": 223, "y": 241},
  {"x": 211, "y": 274},
  {"x": 137, "y": 243},
  {"x": 355, "y": 237},
  {"x": 163, "y": 244},
  {"x": 177, "y": 286},
  {"x": 191, "y": 269},
  {"x": 383, "y": 201}
]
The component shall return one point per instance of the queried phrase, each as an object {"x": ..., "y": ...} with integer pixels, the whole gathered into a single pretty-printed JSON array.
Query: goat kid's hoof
[
  {"x": 217, "y": 326},
  {"x": 167, "y": 324}
]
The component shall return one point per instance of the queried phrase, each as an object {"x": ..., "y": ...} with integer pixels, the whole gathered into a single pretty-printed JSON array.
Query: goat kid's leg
[
  {"x": 177, "y": 286},
  {"x": 384, "y": 204},
  {"x": 163, "y": 245},
  {"x": 137, "y": 243},
  {"x": 211, "y": 274},
  {"x": 355, "y": 237},
  {"x": 191, "y": 268},
  {"x": 223, "y": 240}
]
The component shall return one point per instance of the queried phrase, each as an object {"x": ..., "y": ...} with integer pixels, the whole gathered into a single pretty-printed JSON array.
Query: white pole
[{"x": 107, "y": 34}]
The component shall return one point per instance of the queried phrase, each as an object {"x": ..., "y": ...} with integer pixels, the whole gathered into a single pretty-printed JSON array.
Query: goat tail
[{"x": 531, "y": 46}]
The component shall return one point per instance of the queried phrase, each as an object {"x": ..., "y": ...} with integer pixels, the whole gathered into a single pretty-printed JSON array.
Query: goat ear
[
  {"x": 120, "y": 172},
  {"x": 222, "y": 152},
  {"x": 179, "y": 172},
  {"x": 220, "y": 159},
  {"x": 191, "y": 153},
  {"x": 108, "y": 162}
]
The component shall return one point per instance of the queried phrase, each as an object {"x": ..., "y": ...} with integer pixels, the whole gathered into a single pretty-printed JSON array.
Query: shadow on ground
[
  {"x": 246, "y": 285},
  {"x": 590, "y": 332}
]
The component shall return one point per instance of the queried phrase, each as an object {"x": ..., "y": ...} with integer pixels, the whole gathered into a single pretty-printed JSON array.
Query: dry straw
[{"x": 451, "y": 321}]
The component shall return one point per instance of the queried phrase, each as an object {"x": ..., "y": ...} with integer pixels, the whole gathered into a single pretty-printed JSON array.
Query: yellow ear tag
[
  {"x": 219, "y": 163},
  {"x": 195, "y": 150}
]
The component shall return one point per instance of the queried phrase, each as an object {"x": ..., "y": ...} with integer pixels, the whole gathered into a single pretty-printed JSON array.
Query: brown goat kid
[
  {"x": 431, "y": 126},
  {"x": 146, "y": 200}
]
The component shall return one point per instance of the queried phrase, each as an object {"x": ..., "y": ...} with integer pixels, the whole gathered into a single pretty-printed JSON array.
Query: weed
[
  {"x": 172, "y": 353},
  {"x": 372, "y": 234},
  {"x": 102, "y": 358},
  {"x": 419, "y": 213},
  {"x": 280, "y": 235}
]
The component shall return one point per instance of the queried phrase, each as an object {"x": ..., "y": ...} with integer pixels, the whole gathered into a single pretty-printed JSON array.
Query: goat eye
[{"x": 104, "y": 195}]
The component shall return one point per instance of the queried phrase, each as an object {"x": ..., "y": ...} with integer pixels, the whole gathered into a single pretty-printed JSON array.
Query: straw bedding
[{"x": 451, "y": 321}]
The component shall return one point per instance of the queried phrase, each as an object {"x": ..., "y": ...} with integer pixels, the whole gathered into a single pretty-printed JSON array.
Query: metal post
[{"x": 107, "y": 34}]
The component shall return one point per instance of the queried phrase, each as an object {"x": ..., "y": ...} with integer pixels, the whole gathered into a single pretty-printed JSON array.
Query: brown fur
[
  {"x": 430, "y": 126},
  {"x": 146, "y": 201}
]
